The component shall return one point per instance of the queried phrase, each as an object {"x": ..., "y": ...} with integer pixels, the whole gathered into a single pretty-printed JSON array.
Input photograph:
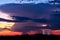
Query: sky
[
  {"x": 9, "y": 32},
  {"x": 14, "y": 1}
]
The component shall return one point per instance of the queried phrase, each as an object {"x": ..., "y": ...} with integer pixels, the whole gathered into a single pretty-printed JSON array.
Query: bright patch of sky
[{"x": 14, "y": 1}]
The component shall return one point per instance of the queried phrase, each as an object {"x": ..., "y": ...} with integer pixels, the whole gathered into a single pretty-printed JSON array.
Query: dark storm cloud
[
  {"x": 27, "y": 10},
  {"x": 35, "y": 12},
  {"x": 16, "y": 19},
  {"x": 22, "y": 19}
]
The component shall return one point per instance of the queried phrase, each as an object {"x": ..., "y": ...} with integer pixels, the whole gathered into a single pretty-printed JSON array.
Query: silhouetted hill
[{"x": 30, "y": 37}]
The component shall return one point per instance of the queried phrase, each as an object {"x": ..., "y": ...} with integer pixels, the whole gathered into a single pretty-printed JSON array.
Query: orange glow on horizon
[
  {"x": 56, "y": 32},
  {"x": 32, "y": 32},
  {"x": 9, "y": 33},
  {"x": 12, "y": 33},
  {"x": 53, "y": 32}
]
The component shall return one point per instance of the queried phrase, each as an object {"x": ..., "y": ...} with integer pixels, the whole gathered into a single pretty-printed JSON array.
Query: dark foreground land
[{"x": 30, "y": 37}]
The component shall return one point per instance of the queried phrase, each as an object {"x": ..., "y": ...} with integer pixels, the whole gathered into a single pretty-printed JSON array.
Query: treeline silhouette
[{"x": 27, "y": 37}]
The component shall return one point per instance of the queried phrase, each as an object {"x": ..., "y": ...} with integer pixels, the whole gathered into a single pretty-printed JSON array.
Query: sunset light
[
  {"x": 18, "y": 18},
  {"x": 6, "y": 24},
  {"x": 5, "y": 16},
  {"x": 9, "y": 33}
]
